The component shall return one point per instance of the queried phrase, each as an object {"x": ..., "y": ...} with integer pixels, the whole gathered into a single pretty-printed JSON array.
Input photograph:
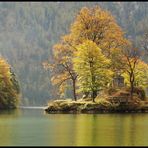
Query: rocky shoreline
[{"x": 103, "y": 106}]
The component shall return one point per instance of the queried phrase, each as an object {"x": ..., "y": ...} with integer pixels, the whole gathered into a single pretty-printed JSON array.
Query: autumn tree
[
  {"x": 92, "y": 68},
  {"x": 131, "y": 57},
  {"x": 62, "y": 68},
  {"x": 141, "y": 75},
  {"x": 9, "y": 87},
  {"x": 100, "y": 26},
  {"x": 96, "y": 25}
]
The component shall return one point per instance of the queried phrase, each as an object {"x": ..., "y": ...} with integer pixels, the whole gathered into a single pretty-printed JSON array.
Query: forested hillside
[{"x": 28, "y": 30}]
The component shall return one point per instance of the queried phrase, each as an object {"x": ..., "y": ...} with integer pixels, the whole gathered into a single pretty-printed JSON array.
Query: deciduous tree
[
  {"x": 62, "y": 68},
  {"x": 9, "y": 88},
  {"x": 131, "y": 57},
  {"x": 92, "y": 68},
  {"x": 100, "y": 26},
  {"x": 141, "y": 75}
]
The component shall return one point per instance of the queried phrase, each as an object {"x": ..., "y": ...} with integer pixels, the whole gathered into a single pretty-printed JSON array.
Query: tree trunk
[
  {"x": 132, "y": 79},
  {"x": 132, "y": 89},
  {"x": 94, "y": 94},
  {"x": 74, "y": 89}
]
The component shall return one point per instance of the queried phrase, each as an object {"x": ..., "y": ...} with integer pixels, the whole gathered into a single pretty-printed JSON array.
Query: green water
[{"x": 32, "y": 127}]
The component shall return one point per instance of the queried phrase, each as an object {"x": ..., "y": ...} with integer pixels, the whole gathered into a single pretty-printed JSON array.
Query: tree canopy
[
  {"x": 92, "y": 52},
  {"x": 29, "y": 31},
  {"x": 9, "y": 87},
  {"x": 92, "y": 68}
]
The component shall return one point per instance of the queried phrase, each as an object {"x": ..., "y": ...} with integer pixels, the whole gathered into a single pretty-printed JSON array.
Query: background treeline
[{"x": 28, "y": 30}]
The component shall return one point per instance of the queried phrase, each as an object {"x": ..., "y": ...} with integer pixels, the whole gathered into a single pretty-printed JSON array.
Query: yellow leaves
[
  {"x": 90, "y": 63},
  {"x": 63, "y": 49},
  {"x": 57, "y": 79},
  {"x": 5, "y": 71},
  {"x": 141, "y": 74},
  {"x": 87, "y": 48},
  {"x": 8, "y": 88},
  {"x": 68, "y": 40},
  {"x": 99, "y": 26},
  {"x": 59, "y": 48},
  {"x": 47, "y": 66},
  {"x": 93, "y": 45},
  {"x": 61, "y": 81},
  {"x": 89, "y": 52}
]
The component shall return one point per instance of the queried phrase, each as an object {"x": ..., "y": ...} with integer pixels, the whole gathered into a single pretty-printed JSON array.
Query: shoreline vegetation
[
  {"x": 97, "y": 63},
  {"x": 118, "y": 101},
  {"x": 103, "y": 106},
  {"x": 9, "y": 87},
  {"x": 66, "y": 50}
]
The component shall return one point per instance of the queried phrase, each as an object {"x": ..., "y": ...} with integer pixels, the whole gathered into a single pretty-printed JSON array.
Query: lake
[{"x": 33, "y": 127}]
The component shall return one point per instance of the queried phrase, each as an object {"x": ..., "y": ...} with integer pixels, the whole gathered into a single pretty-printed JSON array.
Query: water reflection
[
  {"x": 101, "y": 130},
  {"x": 35, "y": 128}
]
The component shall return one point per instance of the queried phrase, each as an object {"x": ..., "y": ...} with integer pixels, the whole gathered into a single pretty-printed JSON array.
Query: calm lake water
[{"x": 33, "y": 127}]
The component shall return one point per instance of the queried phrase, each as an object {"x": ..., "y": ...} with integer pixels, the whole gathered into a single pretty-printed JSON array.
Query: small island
[
  {"x": 113, "y": 100},
  {"x": 96, "y": 65}
]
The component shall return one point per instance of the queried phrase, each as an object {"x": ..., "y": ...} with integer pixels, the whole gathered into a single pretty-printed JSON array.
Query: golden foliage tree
[
  {"x": 100, "y": 26},
  {"x": 131, "y": 58},
  {"x": 92, "y": 68},
  {"x": 62, "y": 68},
  {"x": 96, "y": 25},
  {"x": 9, "y": 89},
  {"x": 140, "y": 74}
]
